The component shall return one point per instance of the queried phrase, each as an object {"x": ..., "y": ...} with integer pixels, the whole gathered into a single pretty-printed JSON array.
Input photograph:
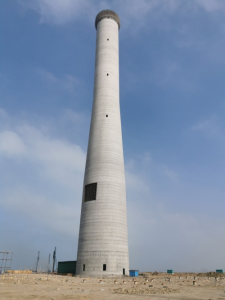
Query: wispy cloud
[
  {"x": 210, "y": 127},
  {"x": 11, "y": 144},
  {"x": 40, "y": 173},
  {"x": 170, "y": 74},
  {"x": 67, "y": 82},
  {"x": 169, "y": 173},
  {"x": 211, "y": 5},
  {"x": 60, "y": 12}
]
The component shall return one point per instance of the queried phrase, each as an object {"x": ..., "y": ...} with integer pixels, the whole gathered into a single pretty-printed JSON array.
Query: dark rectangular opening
[
  {"x": 83, "y": 267},
  {"x": 123, "y": 271},
  {"x": 104, "y": 267},
  {"x": 90, "y": 192}
]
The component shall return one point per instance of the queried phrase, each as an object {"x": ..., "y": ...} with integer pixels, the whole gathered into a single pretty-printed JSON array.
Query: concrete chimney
[{"x": 103, "y": 242}]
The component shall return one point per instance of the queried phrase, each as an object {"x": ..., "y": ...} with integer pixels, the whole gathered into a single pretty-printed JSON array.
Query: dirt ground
[{"x": 147, "y": 286}]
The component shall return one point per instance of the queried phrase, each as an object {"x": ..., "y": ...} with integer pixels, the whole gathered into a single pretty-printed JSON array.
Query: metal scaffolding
[{"x": 5, "y": 261}]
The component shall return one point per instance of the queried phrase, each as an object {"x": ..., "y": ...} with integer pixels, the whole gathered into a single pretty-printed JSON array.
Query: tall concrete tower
[{"x": 103, "y": 243}]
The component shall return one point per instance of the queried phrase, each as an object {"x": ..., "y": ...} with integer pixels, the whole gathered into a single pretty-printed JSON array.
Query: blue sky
[{"x": 172, "y": 93}]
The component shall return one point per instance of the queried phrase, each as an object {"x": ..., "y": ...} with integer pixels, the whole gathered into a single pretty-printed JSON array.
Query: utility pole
[
  {"x": 38, "y": 258},
  {"x": 49, "y": 262},
  {"x": 54, "y": 257}
]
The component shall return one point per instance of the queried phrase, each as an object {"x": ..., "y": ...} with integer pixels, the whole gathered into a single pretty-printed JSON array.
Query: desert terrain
[{"x": 146, "y": 286}]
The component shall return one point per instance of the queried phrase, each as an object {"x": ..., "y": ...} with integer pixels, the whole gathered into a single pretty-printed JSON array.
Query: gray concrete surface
[{"x": 103, "y": 224}]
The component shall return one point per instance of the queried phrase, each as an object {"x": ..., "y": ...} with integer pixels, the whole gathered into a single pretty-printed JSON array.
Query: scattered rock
[
  {"x": 151, "y": 290},
  {"x": 155, "y": 273}
]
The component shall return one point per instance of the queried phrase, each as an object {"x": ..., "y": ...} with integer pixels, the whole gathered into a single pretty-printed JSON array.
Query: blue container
[
  {"x": 134, "y": 273},
  {"x": 170, "y": 272},
  {"x": 219, "y": 271}
]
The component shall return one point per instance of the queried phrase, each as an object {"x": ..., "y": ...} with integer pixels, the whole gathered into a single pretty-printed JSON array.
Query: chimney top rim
[{"x": 107, "y": 13}]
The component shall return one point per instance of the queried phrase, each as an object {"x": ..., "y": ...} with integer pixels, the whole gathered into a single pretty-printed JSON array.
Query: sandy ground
[{"x": 148, "y": 286}]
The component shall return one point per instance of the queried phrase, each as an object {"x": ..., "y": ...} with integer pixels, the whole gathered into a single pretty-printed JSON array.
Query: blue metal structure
[{"x": 134, "y": 273}]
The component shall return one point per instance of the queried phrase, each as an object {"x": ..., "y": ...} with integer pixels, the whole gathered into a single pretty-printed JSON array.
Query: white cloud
[
  {"x": 135, "y": 183},
  {"x": 74, "y": 117},
  {"x": 11, "y": 144},
  {"x": 170, "y": 74},
  {"x": 211, "y": 5},
  {"x": 56, "y": 156},
  {"x": 47, "y": 179},
  {"x": 67, "y": 82},
  {"x": 38, "y": 208},
  {"x": 209, "y": 127},
  {"x": 58, "y": 11},
  {"x": 169, "y": 173},
  {"x": 62, "y": 11}
]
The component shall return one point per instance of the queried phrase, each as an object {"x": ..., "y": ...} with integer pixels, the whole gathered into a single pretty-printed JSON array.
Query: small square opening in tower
[
  {"x": 104, "y": 267},
  {"x": 83, "y": 267},
  {"x": 107, "y": 39},
  {"x": 90, "y": 192},
  {"x": 107, "y": 74},
  {"x": 106, "y": 116}
]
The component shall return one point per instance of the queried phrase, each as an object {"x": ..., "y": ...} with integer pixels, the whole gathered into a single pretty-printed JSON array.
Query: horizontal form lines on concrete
[
  {"x": 100, "y": 121},
  {"x": 104, "y": 97},
  {"x": 116, "y": 245},
  {"x": 118, "y": 222},
  {"x": 104, "y": 230},
  {"x": 104, "y": 246},
  {"x": 101, "y": 156},
  {"x": 106, "y": 59},
  {"x": 118, "y": 215},
  {"x": 106, "y": 253},
  {"x": 107, "y": 205},
  {"x": 105, "y": 80},
  {"x": 101, "y": 177},
  {"x": 101, "y": 95},
  {"x": 106, "y": 67},
  {"x": 106, "y": 101},
  {"x": 110, "y": 125},
  {"x": 115, "y": 157},
  {"x": 113, "y": 121},
  {"x": 103, "y": 167},
  {"x": 98, "y": 130},
  {"x": 110, "y": 32},
  {"x": 100, "y": 172}
]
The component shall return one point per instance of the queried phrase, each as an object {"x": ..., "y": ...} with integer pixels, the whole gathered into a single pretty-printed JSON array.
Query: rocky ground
[{"x": 146, "y": 286}]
